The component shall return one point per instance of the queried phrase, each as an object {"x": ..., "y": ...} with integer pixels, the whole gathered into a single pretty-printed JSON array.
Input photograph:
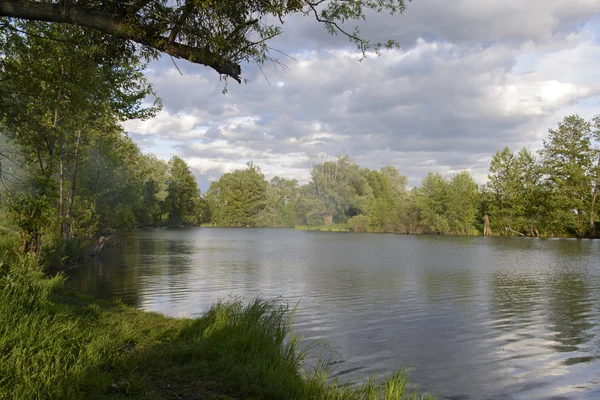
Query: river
[{"x": 471, "y": 317}]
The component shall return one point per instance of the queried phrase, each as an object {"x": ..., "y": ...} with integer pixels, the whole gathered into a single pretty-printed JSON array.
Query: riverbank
[
  {"x": 349, "y": 228},
  {"x": 56, "y": 343}
]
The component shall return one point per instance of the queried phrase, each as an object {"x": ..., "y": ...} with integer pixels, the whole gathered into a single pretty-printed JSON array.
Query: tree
[
  {"x": 219, "y": 34},
  {"x": 463, "y": 203},
  {"x": 55, "y": 102},
  {"x": 397, "y": 182},
  {"x": 183, "y": 194},
  {"x": 385, "y": 196},
  {"x": 280, "y": 203},
  {"x": 432, "y": 200},
  {"x": 531, "y": 196},
  {"x": 337, "y": 190},
  {"x": 154, "y": 192},
  {"x": 238, "y": 198},
  {"x": 596, "y": 176},
  {"x": 568, "y": 165},
  {"x": 502, "y": 193}
]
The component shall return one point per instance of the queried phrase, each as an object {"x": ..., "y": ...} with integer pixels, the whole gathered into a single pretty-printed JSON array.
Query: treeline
[
  {"x": 68, "y": 172},
  {"x": 553, "y": 193}
]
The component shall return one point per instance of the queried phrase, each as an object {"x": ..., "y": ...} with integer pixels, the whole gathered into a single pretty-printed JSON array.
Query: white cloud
[{"x": 472, "y": 77}]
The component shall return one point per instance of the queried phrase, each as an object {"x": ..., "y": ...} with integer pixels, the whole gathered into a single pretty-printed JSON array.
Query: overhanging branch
[{"x": 123, "y": 29}]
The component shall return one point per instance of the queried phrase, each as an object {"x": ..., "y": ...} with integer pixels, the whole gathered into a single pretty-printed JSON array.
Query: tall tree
[
  {"x": 596, "y": 176},
  {"x": 463, "y": 203},
  {"x": 154, "y": 192},
  {"x": 568, "y": 164},
  {"x": 280, "y": 203},
  {"x": 531, "y": 198},
  {"x": 54, "y": 100},
  {"x": 183, "y": 195},
  {"x": 238, "y": 198},
  {"x": 502, "y": 192},
  {"x": 432, "y": 201}
]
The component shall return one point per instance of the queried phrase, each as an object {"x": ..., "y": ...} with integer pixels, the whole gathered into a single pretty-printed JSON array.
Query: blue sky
[{"x": 471, "y": 77}]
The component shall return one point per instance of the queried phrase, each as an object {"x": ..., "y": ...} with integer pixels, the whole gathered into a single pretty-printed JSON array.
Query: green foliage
[
  {"x": 359, "y": 223},
  {"x": 219, "y": 34},
  {"x": 432, "y": 200},
  {"x": 568, "y": 163},
  {"x": 281, "y": 197},
  {"x": 183, "y": 195},
  {"x": 61, "y": 107},
  {"x": 550, "y": 197},
  {"x": 238, "y": 198},
  {"x": 463, "y": 203},
  {"x": 57, "y": 344}
]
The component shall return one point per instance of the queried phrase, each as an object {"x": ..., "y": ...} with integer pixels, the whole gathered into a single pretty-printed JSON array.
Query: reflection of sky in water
[{"x": 472, "y": 317}]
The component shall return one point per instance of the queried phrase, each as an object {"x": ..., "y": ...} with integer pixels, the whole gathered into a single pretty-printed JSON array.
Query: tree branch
[
  {"x": 127, "y": 30},
  {"x": 189, "y": 7}
]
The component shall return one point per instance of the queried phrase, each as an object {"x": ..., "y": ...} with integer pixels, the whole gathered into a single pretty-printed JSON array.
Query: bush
[{"x": 359, "y": 223}]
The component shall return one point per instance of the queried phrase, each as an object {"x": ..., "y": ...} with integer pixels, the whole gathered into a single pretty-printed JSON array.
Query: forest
[{"x": 551, "y": 193}]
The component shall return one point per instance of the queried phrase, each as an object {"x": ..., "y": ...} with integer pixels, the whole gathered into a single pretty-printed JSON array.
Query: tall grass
[{"x": 58, "y": 344}]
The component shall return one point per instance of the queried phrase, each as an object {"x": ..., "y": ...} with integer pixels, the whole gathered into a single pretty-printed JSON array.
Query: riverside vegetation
[
  {"x": 58, "y": 344},
  {"x": 68, "y": 174},
  {"x": 553, "y": 194}
]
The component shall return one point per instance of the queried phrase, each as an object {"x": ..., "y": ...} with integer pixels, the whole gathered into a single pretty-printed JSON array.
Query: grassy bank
[
  {"x": 325, "y": 228},
  {"x": 58, "y": 344}
]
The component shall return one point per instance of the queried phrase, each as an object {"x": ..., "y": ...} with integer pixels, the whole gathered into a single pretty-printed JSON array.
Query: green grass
[
  {"x": 58, "y": 344},
  {"x": 325, "y": 228}
]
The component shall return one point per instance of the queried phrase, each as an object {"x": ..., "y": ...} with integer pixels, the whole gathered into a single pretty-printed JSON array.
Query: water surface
[{"x": 473, "y": 317}]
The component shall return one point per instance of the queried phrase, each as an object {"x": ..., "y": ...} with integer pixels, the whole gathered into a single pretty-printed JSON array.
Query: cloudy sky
[{"x": 471, "y": 77}]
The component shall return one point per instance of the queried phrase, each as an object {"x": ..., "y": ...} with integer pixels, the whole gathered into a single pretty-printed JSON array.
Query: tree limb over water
[{"x": 218, "y": 34}]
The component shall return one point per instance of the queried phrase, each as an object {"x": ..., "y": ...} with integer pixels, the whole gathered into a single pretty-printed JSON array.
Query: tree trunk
[
  {"x": 60, "y": 195},
  {"x": 487, "y": 229},
  {"x": 594, "y": 196},
  {"x": 67, "y": 226},
  {"x": 328, "y": 220},
  {"x": 101, "y": 242}
]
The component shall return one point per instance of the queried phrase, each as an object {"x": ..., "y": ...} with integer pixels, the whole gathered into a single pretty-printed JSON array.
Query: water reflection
[{"x": 474, "y": 318}]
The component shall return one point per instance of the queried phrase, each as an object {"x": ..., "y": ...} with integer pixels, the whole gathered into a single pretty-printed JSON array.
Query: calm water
[{"x": 473, "y": 318}]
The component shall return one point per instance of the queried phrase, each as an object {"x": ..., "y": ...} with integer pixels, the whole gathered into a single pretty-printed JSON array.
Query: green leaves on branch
[
  {"x": 217, "y": 33},
  {"x": 550, "y": 196}
]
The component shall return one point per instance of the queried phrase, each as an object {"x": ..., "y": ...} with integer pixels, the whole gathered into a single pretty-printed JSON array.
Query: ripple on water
[{"x": 473, "y": 318}]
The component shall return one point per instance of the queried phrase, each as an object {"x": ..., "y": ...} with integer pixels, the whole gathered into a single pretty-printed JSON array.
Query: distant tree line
[
  {"x": 553, "y": 193},
  {"x": 68, "y": 172}
]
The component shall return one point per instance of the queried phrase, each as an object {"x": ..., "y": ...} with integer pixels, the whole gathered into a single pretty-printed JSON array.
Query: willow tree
[{"x": 220, "y": 34}]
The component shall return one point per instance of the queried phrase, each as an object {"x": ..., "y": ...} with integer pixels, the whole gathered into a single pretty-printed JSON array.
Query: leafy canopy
[{"x": 217, "y": 33}]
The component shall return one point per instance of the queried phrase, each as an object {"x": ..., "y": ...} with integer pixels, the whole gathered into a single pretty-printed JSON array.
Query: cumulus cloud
[{"x": 471, "y": 77}]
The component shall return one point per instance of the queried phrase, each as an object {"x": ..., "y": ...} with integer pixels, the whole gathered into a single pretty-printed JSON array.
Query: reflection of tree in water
[
  {"x": 570, "y": 309},
  {"x": 513, "y": 298},
  {"x": 113, "y": 274},
  {"x": 118, "y": 271}
]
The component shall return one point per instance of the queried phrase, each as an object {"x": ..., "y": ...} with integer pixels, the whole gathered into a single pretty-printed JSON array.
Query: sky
[{"x": 471, "y": 77}]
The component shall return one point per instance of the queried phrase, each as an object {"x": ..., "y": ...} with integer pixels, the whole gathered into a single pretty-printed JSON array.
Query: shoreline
[
  {"x": 342, "y": 228},
  {"x": 62, "y": 344}
]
